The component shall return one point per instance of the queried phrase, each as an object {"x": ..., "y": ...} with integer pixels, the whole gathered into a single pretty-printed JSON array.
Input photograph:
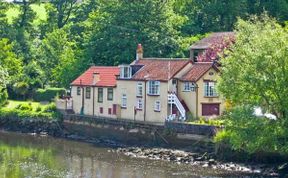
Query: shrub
[
  {"x": 48, "y": 94},
  {"x": 38, "y": 109},
  {"x": 50, "y": 108},
  {"x": 3, "y": 96},
  {"x": 24, "y": 107},
  {"x": 246, "y": 132}
]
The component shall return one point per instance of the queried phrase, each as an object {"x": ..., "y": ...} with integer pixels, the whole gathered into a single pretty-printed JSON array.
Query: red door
[{"x": 210, "y": 109}]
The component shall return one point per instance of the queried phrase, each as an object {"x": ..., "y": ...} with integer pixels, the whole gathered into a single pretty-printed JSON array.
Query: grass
[
  {"x": 40, "y": 10},
  {"x": 12, "y": 104}
]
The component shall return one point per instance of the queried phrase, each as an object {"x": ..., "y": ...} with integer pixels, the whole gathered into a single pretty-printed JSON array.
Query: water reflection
[{"x": 32, "y": 156}]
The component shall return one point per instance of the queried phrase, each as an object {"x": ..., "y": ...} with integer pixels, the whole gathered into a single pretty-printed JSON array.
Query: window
[
  {"x": 195, "y": 55},
  {"x": 187, "y": 86},
  {"x": 100, "y": 95},
  {"x": 193, "y": 86},
  {"x": 78, "y": 91},
  {"x": 139, "y": 91},
  {"x": 101, "y": 110},
  {"x": 209, "y": 89},
  {"x": 157, "y": 106},
  {"x": 109, "y": 111},
  {"x": 139, "y": 104},
  {"x": 124, "y": 101},
  {"x": 154, "y": 88},
  {"x": 125, "y": 72},
  {"x": 110, "y": 94},
  {"x": 88, "y": 92}
]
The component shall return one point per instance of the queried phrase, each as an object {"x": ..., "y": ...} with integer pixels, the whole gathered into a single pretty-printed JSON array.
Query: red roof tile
[
  {"x": 158, "y": 69},
  {"x": 107, "y": 76},
  {"x": 206, "y": 42},
  {"x": 197, "y": 71}
]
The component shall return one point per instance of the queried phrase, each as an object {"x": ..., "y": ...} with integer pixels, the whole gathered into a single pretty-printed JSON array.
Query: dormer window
[{"x": 125, "y": 72}]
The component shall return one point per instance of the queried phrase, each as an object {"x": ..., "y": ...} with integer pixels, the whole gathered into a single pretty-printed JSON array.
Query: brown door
[
  {"x": 114, "y": 109},
  {"x": 210, "y": 109}
]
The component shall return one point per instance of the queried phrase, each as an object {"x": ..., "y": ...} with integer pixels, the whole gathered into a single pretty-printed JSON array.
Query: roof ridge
[{"x": 166, "y": 59}]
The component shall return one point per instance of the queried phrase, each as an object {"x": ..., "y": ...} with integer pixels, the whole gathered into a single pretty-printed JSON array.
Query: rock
[
  {"x": 211, "y": 161},
  {"x": 283, "y": 169},
  {"x": 205, "y": 165},
  {"x": 199, "y": 158}
]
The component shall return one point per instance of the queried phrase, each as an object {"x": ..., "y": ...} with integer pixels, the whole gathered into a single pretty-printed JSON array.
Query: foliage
[
  {"x": 3, "y": 82},
  {"x": 246, "y": 132},
  {"x": 9, "y": 61},
  {"x": 48, "y": 94},
  {"x": 24, "y": 107},
  {"x": 51, "y": 43},
  {"x": 258, "y": 65},
  {"x": 21, "y": 88},
  {"x": 50, "y": 108},
  {"x": 217, "y": 49},
  {"x": 58, "y": 59},
  {"x": 208, "y": 16},
  {"x": 209, "y": 121},
  {"x": 30, "y": 110},
  {"x": 119, "y": 25}
]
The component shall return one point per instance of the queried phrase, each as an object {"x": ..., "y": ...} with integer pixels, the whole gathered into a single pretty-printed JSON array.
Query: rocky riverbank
[{"x": 204, "y": 160}]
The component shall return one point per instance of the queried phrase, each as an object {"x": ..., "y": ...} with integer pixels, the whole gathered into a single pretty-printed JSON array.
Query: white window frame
[
  {"x": 153, "y": 87},
  {"x": 124, "y": 101},
  {"x": 125, "y": 72},
  {"x": 210, "y": 89},
  {"x": 186, "y": 86},
  {"x": 139, "y": 104},
  {"x": 157, "y": 106},
  {"x": 139, "y": 89}
]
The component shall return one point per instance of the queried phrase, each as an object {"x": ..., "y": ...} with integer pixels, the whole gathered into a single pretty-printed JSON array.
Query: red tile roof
[
  {"x": 206, "y": 42},
  {"x": 107, "y": 76},
  {"x": 197, "y": 71},
  {"x": 158, "y": 69}
]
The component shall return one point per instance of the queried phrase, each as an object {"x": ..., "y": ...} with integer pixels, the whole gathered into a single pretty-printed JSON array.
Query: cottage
[
  {"x": 150, "y": 89},
  {"x": 94, "y": 91}
]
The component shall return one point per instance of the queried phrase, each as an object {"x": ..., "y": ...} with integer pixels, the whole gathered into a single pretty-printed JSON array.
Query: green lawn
[
  {"x": 13, "y": 103},
  {"x": 38, "y": 8}
]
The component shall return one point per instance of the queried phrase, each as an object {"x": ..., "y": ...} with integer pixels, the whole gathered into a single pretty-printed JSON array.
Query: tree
[
  {"x": 119, "y": 25},
  {"x": 9, "y": 61},
  {"x": 58, "y": 59},
  {"x": 21, "y": 88},
  {"x": 3, "y": 82},
  {"x": 255, "y": 71}
]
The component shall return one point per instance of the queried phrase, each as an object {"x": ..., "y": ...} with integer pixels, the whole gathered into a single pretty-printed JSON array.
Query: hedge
[{"x": 48, "y": 94}]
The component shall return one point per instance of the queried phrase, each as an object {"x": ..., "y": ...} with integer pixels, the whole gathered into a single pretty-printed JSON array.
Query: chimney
[
  {"x": 96, "y": 78},
  {"x": 139, "y": 52}
]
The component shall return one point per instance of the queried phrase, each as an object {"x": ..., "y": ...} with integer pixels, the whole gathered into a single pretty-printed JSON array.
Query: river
[{"x": 23, "y": 155}]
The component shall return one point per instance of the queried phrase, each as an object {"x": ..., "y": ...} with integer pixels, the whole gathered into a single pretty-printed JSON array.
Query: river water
[{"x": 23, "y": 155}]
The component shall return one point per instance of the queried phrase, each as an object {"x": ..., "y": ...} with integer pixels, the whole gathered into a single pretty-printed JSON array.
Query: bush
[
  {"x": 50, "y": 108},
  {"x": 38, "y": 109},
  {"x": 3, "y": 96},
  {"x": 24, "y": 107},
  {"x": 48, "y": 94},
  {"x": 246, "y": 132}
]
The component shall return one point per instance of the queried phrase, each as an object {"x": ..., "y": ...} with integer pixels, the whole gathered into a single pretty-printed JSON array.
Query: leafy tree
[
  {"x": 3, "y": 82},
  {"x": 58, "y": 59},
  {"x": 9, "y": 61},
  {"x": 255, "y": 71},
  {"x": 119, "y": 25},
  {"x": 21, "y": 88},
  {"x": 221, "y": 15}
]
